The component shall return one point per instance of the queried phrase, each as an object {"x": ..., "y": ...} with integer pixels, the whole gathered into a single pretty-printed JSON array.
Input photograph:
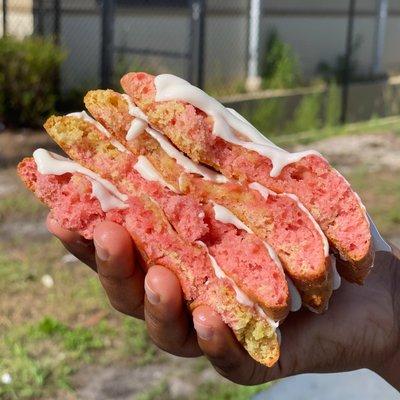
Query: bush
[
  {"x": 307, "y": 114},
  {"x": 333, "y": 103},
  {"x": 280, "y": 67},
  {"x": 28, "y": 72},
  {"x": 268, "y": 116}
]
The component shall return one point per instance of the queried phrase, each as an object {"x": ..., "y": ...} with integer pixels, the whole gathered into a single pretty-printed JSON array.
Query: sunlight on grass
[
  {"x": 382, "y": 198},
  {"x": 41, "y": 357},
  {"x": 228, "y": 391},
  {"x": 20, "y": 205}
]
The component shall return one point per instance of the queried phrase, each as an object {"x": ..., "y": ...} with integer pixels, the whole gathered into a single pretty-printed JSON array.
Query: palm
[{"x": 357, "y": 329}]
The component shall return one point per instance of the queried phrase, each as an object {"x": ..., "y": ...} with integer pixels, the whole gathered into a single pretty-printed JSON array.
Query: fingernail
[
  {"x": 102, "y": 253},
  {"x": 83, "y": 242},
  {"x": 204, "y": 332},
  {"x": 152, "y": 296}
]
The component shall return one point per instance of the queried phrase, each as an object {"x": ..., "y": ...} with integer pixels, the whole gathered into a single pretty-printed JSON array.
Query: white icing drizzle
[
  {"x": 222, "y": 214},
  {"x": 185, "y": 162},
  {"x": 106, "y": 199},
  {"x": 107, "y": 194},
  {"x": 265, "y": 192},
  {"x": 134, "y": 110},
  {"x": 262, "y": 313},
  {"x": 140, "y": 123},
  {"x": 86, "y": 117},
  {"x": 274, "y": 256},
  {"x": 261, "y": 189},
  {"x": 241, "y": 297},
  {"x": 336, "y": 279},
  {"x": 138, "y": 126},
  {"x": 279, "y": 336},
  {"x": 226, "y": 123},
  {"x": 295, "y": 297},
  {"x": 317, "y": 227},
  {"x": 148, "y": 172}
]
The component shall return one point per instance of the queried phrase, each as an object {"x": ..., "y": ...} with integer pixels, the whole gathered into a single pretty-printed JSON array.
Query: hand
[{"x": 360, "y": 329}]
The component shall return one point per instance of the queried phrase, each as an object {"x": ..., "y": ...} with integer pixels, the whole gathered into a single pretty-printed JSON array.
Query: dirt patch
[
  {"x": 176, "y": 378},
  {"x": 374, "y": 151}
]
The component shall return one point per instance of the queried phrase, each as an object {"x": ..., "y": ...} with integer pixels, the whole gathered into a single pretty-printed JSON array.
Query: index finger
[{"x": 76, "y": 244}]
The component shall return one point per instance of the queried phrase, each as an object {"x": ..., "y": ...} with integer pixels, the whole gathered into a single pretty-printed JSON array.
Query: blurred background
[{"x": 307, "y": 73}]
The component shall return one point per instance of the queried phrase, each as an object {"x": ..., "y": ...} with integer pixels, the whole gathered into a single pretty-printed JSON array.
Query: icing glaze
[
  {"x": 274, "y": 256},
  {"x": 140, "y": 123},
  {"x": 317, "y": 227},
  {"x": 295, "y": 298},
  {"x": 336, "y": 278},
  {"x": 222, "y": 214},
  {"x": 53, "y": 164},
  {"x": 185, "y": 162},
  {"x": 86, "y": 117},
  {"x": 106, "y": 199},
  {"x": 137, "y": 127},
  {"x": 241, "y": 297},
  {"x": 265, "y": 192},
  {"x": 148, "y": 172},
  {"x": 134, "y": 110},
  {"x": 261, "y": 189},
  {"x": 226, "y": 123}
]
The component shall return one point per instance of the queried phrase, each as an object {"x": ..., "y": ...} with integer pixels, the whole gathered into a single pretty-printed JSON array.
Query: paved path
[{"x": 362, "y": 384}]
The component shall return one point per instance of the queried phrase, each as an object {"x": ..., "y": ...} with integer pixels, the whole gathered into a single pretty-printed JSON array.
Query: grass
[
  {"x": 382, "y": 199},
  {"x": 41, "y": 357},
  {"x": 228, "y": 392},
  {"x": 373, "y": 126},
  {"x": 158, "y": 392},
  {"x": 20, "y": 205},
  {"x": 47, "y": 334}
]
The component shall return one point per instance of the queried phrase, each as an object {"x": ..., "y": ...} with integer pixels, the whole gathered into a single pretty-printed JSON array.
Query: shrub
[
  {"x": 280, "y": 67},
  {"x": 28, "y": 71},
  {"x": 268, "y": 116},
  {"x": 307, "y": 114},
  {"x": 333, "y": 103}
]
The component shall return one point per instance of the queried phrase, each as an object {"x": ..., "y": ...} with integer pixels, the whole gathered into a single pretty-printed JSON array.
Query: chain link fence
[{"x": 212, "y": 44}]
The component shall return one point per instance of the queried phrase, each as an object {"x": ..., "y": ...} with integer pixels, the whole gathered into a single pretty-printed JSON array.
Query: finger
[
  {"x": 168, "y": 321},
  {"x": 121, "y": 278},
  {"x": 223, "y": 350},
  {"x": 76, "y": 244}
]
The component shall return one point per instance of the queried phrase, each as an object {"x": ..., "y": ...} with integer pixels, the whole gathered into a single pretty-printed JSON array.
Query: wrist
[{"x": 389, "y": 369}]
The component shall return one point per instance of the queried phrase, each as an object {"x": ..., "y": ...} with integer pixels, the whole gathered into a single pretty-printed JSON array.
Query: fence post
[
  {"x": 197, "y": 34},
  {"x": 253, "y": 81},
  {"x": 107, "y": 42},
  {"x": 347, "y": 60},
  {"x": 40, "y": 17},
  {"x": 4, "y": 18},
  {"x": 57, "y": 21},
  {"x": 57, "y": 41},
  {"x": 379, "y": 36}
]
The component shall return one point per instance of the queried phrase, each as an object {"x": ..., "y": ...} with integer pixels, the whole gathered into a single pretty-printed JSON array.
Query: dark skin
[{"x": 360, "y": 330}]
